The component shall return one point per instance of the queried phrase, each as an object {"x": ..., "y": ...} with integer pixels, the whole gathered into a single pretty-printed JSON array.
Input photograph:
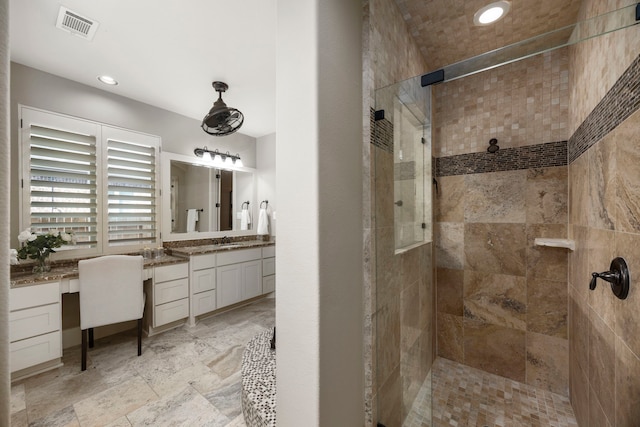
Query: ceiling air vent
[{"x": 74, "y": 23}]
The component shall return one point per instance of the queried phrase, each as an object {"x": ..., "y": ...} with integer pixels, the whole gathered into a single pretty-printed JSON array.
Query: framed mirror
[{"x": 200, "y": 200}]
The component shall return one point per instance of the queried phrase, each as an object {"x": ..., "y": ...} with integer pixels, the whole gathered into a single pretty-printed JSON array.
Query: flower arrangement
[{"x": 38, "y": 247}]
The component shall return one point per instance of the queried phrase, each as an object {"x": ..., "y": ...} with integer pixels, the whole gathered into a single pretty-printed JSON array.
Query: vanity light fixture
[
  {"x": 108, "y": 80},
  {"x": 218, "y": 158},
  {"x": 491, "y": 13}
]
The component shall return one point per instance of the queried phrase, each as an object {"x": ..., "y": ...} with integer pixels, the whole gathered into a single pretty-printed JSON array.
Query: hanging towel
[
  {"x": 263, "y": 222},
  {"x": 245, "y": 219},
  {"x": 192, "y": 218}
]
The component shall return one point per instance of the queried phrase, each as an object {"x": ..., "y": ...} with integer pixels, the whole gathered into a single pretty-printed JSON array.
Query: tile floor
[
  {"x": 191, "y": 377},
  {"x": 185, "y": 377},
  {"x": 467, "y": 397}
]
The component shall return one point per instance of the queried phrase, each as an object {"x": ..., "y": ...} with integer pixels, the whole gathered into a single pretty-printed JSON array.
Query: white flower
[
  {"x": 65, "y": 236},
  {"x": 26, "y": 235},
  {"x": 13, "y": 257}
]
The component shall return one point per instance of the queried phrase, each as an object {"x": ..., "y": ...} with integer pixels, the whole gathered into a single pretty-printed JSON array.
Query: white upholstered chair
[{"x": 111, "y": 291}]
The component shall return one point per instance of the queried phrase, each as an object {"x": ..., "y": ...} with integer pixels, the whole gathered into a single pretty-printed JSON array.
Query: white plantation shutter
[
  {"x": 60, "y": 183},
  {"x": 131, "y": 177},
  {"x": 95, "y": 180}
]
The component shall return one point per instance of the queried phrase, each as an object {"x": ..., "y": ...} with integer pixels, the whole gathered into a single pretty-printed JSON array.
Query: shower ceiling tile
[{"x": 445, "y": 32}]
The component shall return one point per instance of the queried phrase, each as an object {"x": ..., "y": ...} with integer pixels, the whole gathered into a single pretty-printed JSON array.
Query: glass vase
[{"x": 43, "y": 265}]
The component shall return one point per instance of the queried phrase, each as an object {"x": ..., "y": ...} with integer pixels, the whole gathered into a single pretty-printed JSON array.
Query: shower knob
[{"x": 618, "y": 276}]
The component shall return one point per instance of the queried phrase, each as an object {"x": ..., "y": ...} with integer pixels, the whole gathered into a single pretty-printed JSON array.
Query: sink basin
[{"x": 229, "y": 245}]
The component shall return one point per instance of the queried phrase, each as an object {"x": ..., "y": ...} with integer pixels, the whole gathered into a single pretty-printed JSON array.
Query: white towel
[
  {"x": 192, "y": 218},
  {"x": 263, "y": 222},
  {"x": 245, "y": 219}
]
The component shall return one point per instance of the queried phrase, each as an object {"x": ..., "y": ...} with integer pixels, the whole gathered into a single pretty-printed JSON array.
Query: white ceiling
[{"x": 162, "y": 52}]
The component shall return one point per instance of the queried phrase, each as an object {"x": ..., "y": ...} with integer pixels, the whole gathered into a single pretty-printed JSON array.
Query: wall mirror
[{"x": 200, "y": 200}]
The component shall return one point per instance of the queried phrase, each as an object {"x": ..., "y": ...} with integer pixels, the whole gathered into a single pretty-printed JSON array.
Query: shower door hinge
[
  {"x": 432, "y": 78},
  {"x": 424, "y": 225},
  {"x": 217, "y": 176},
  {"x": 20, "y": 123},
  {"x": 378, "y": 115},
  {"x": 424, "y": 141},
  {"x": 217, "y": 205}
]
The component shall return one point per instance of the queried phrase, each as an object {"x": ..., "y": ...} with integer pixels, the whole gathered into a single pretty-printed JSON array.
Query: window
[{"x": 94, "y": 180}]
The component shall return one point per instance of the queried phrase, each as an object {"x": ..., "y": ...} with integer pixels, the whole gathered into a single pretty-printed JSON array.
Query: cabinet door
[
  {"x": 268, "y": 284},
  {"x": 229, "y": 284},
  {"x": 252, "y": 279}
]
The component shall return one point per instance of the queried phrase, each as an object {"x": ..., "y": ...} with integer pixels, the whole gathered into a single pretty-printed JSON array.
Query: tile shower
[
  {"x": 503, "y": 304},
  {"x": 502, "y": 301}
]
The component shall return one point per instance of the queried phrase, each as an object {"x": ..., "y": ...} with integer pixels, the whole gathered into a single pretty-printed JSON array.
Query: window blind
[
  {"x": 131, "y": 190},
  {"x": 97, "y": 181},
  {"x": 62, "y": 181}
]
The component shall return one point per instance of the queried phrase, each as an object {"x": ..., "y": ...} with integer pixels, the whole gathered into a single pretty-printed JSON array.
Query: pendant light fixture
[{"x": 222, "y": 120}]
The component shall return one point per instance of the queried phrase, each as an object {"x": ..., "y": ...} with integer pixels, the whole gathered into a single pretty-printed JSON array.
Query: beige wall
[
  {"x": 597, "y": 63},
  {"x": 522, "y": 103},
  {"x": 604, "y": 185},
  {"x": 501, "y": 300},
  {"x": 398, "y": 289}
]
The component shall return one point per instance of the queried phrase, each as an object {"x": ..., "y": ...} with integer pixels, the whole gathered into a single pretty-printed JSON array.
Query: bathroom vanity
[
  {"x": 226, "y": 274},
  {"x": 191, "y": 282}
]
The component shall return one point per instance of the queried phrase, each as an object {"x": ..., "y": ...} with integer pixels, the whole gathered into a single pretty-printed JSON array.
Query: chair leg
[
  {"x": 90, "y": 337},
  {"x": 84, "y": 350},
  {"x": 139, "y": 337}
]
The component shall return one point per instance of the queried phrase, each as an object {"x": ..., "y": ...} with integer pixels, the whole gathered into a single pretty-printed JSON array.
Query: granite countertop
[
  {"x": 70, "y": 271},
  {"x": 205, "y": 249}
]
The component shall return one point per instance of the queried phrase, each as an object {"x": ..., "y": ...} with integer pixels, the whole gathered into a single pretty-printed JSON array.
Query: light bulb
[
  {"x": 239, "y": 162},
  {"x": 206, "y": 156},
  {"x": 217, "y": 159}
]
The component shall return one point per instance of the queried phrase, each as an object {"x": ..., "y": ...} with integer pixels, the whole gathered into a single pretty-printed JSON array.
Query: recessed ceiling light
[
  {"x": 108, "y": 80},
  {"x": 491, "y": 13}
]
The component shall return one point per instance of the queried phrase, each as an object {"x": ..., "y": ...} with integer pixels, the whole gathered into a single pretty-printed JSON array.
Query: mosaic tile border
[
  {"x": 622, "y": 100},
  {"x": 506, "y": 159},
  {"x": 259, "y": 382},
  {"x": 382, "y": 135}
]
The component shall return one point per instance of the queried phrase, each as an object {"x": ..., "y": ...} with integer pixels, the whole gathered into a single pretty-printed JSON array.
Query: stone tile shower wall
[
  {"x": 604, "y": 221},
  {"x": 501, "y": 300},
  {"x": 520, "y": 104},
  {"x": 399, "y": 309}
]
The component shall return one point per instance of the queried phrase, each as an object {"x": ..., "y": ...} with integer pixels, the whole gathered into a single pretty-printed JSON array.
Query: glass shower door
[{"x": 404, "y": 287}]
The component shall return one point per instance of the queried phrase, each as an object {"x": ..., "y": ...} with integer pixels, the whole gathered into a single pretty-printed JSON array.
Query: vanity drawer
[
  {"x": 199, "y": 262},
  {"x": 204, "y": 302},
  {"x": 269, "y": 251},
  {"x": 170, "y": 291},
  {"x": 170, "y": 312},
  {"x": 32, "y": 296},
  {"x": 34, "y": 321},
  {"x": 203, "y": 280},
  {"x": 171, "y": 272},
  {"x": 268, "y": 266},
  {"x": 234, "y": 257},
  {"x": 33, "y": 351}
]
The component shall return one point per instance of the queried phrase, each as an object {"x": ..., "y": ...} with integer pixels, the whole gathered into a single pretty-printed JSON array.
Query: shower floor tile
[{"x": 466, "y": 397}]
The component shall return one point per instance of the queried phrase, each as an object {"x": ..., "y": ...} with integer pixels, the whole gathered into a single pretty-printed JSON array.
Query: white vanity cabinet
[
  {"x": 268, "y": 269},
  {"x": 35, "y": 326},
  {"x": 168, "y": 294},
  {"x": 203, "y": 283},
  {"x": 238, "y": 276}
]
